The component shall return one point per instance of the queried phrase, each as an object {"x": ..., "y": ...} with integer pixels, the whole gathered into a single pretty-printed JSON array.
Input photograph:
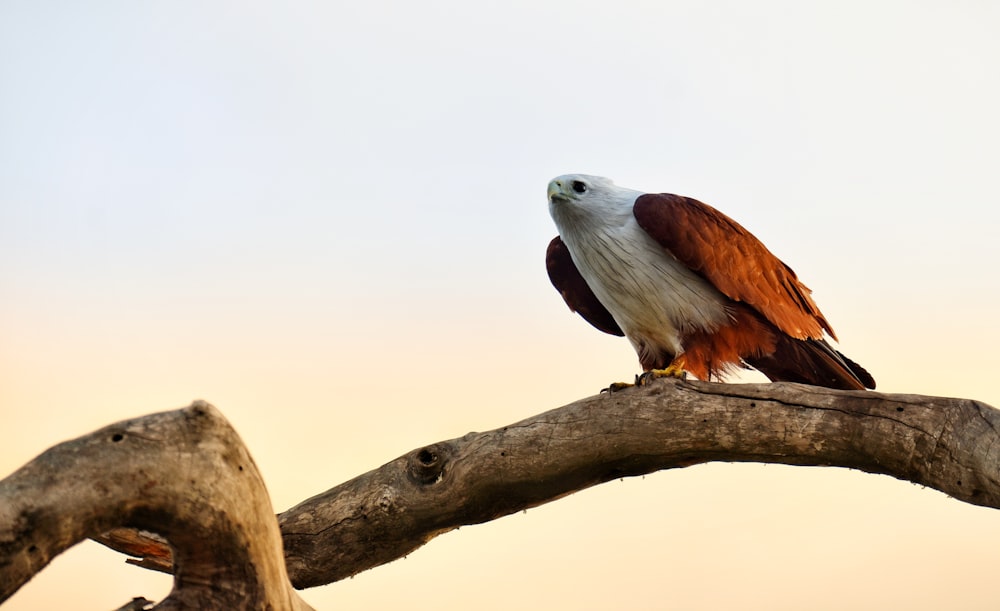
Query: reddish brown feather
[
  {"x": 751, "y": 339},
  {"x": 712, "y": 354},
  {"x": 732, "y": 259}
]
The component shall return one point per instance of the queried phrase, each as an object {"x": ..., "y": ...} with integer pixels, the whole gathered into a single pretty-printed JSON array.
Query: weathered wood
[
  {"x": 948, "y": 444},
  {"x": 951, "y": 445},
  {"x": 184, "y": 474},
  {"x": 136, "y": 604},
  {"x": 150, "y": 550}
]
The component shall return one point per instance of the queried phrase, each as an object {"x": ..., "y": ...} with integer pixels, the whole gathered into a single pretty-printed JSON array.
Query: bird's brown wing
[
  {"x": 732, "y": 259},
  {"x": 811, "y": 361},
  {"x": 574, "y": 289}
]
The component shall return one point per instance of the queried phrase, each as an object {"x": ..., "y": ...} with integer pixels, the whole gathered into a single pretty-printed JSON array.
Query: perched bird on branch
[{"x": 691, "y": 289}]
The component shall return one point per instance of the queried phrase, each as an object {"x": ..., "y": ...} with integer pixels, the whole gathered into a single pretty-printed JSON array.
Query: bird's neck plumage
[
  {"x": 607, "y": 211},
  {"x": 596, "y": 227}
]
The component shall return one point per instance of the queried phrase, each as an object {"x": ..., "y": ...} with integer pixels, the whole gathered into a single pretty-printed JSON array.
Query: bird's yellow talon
[
  {"x": 674, "y": 370},
  {"x": 616, "y": 386}
]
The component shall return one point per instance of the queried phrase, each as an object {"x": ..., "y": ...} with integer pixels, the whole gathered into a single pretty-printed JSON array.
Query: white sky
[{"x": 329, "y": 220}]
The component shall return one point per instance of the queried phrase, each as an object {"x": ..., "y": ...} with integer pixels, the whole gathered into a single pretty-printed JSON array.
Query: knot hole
[{"x": 426, "y": 465}]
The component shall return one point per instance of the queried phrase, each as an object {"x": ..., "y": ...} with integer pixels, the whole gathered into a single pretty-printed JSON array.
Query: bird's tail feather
[{"x": 813, "y": 362}]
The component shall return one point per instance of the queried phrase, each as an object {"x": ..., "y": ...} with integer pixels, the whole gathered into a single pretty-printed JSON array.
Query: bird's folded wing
[
  {"x": 732, "y": 259},
  {"x": 574, "y": 289}
]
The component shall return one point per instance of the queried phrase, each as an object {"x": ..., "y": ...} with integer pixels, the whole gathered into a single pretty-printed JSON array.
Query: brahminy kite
[{"x": 691, "y": 289}]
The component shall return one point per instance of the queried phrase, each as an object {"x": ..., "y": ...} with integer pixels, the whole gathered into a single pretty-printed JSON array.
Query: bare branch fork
[
  {"x": 184, "y": 474},
  {"x": 947, "y": 444}
]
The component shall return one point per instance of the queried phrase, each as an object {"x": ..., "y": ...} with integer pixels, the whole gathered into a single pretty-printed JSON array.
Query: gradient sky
[{"x": 329, "y": 220}]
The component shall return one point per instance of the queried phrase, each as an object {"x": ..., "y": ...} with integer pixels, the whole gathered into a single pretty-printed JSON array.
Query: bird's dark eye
[{"x": 579, "y": 187}]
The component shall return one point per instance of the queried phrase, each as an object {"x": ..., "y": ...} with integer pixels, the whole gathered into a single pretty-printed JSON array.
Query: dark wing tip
[
  {"x": 859, "y": 372},
  {"x": 814, "y": 362}
]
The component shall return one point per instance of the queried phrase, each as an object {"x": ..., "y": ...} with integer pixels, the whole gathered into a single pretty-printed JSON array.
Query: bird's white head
[{"x": 576, "y": 198}]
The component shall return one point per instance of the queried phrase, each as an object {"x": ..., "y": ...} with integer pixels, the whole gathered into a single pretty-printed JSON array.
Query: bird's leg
[{"x": 674, "y": 370}]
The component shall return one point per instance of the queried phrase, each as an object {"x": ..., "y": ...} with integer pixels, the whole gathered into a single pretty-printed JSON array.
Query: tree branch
[
  {"x": 185, "y": 474},
  {"x": 951, "y": 445},
  {"x": 947, "y": 444}
]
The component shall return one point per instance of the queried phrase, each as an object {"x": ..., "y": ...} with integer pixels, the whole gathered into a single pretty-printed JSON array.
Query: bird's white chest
[{"x": 652, "y": 296}]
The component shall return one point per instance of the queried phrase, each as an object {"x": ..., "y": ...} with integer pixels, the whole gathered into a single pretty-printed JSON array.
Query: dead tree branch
[
  {"x": 947, "y": 444},
  {"x": 185, "y": 474},
  {"x": 951, "y": 445}
]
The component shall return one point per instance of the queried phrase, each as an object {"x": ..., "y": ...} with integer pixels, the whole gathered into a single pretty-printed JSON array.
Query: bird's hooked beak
[{"x": 556, "y": 193}]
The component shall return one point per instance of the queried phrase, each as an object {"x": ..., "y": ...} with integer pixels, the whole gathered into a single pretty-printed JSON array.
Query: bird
[{"x": 692, "y": 290}]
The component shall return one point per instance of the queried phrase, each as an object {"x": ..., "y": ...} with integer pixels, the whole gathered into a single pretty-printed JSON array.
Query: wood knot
[
  {"x": 426, "y": 465},
  {"x": 386, "y": 500}
]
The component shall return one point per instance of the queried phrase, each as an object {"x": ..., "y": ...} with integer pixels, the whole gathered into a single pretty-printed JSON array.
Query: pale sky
[{"x": 329, "y": 220}]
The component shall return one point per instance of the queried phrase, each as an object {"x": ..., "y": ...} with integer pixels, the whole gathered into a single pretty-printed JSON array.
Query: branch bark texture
[
  {"x": 184, "y": 474},
  {"x": 951, "y": 445}
]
